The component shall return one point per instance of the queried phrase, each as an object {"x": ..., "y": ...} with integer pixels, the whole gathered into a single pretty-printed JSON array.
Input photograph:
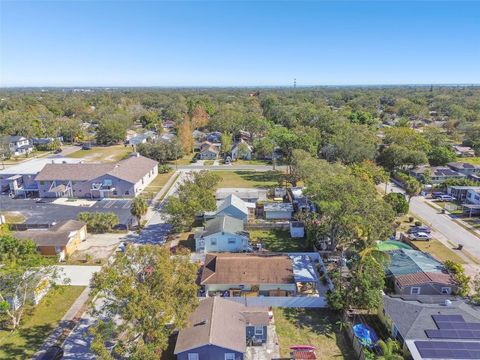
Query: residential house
[
  {"x": 461, "y": 193},
  {"x": 19, "y": 179},
  {"x": 249, "y": 195},
  {"x": 260, "y": 274},
  {"x": 209, "y": 151},
  {"x": 242, "y": 150},
  {"x": 62, "y": 239},
  {"x": 168, "y": 124},
  {"x": 299, "y": 200},
  {"x": 413, "y": 272},
  {"x": 221, "y": 330},
  {"x": 142, "y": 138},
  {"x": 15, "y": 146},
  {"x": 463, "y": 151},
  {"x": 437, "y": 174},
  {"x": 430, "y": 328},
  {"x": 167, "y": 137},
  {"x": 222, "y": 234},
  {"x": 214, "y": 137},
  {"x": 235, "y": 207},
  {"x": 465, "y": 168},
  {"x": 127, "y": 178},
  {"x": 278, "y": 211},
  {"x": 473, "y": 196},
  {"x": 45, "y": 141},
  {"x": 297, "y": 229}
]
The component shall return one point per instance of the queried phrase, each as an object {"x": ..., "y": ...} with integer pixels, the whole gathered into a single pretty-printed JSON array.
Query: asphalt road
[
  {"x": 445, "y": 229},
  {"x": 231, "y": 167}
]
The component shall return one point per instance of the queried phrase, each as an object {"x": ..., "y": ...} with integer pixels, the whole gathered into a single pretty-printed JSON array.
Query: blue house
[
  {"x": 222, "y": 234},
  {"x": 235, "y": 207},
  {"x": 221, "y": 329}
]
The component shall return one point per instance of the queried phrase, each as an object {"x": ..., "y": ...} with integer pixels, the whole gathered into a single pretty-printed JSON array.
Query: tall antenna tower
[{"x": 295, "y": 83}]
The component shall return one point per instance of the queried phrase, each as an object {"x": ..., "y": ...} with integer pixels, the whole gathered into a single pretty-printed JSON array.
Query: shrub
[
  {"x": 462, "y": 280},
  {"x": 411, "y": 218},
  {"x": 418, "y": 223}
]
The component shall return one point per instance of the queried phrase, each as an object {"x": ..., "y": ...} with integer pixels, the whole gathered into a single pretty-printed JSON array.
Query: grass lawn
[
  {"x": 156, "y": 185},
  {"x": 185, "y": 160},
  {"x": 248, "y": 179},
  {"x": 277, "y": 240},
  {"x": 103, "y": 153},
  {"x": 471, "y": 160},
  {"x": 208, "y": 162},
  {"x": 13, "y": 217},
  {"x": 314, "y": 327},
  {"x": 36, "y": 326},
  {"x": 251, "y": 162},
  {"x": 474, "y": 222},
  {"x": 438, "y": 250}
]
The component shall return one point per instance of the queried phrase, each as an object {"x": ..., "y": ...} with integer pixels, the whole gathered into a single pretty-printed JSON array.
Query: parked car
[
  {"x": 121, "y": 247},
  {"x": 53, "y": 353},
  {"x": 446, "y": 198},
  {"x": 417, "y": 229},
  {"x": 422, "y": 236},
  {"x": 57, "y": 151},
  {"x": 436, "y": 194},
  {"x": 86, "y": 147}
]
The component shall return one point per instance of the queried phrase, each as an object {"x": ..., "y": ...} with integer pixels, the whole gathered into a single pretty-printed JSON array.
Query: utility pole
[{"x": 295, "y": 83}]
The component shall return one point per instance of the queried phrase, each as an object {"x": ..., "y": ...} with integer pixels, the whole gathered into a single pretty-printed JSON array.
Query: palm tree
[
  {"x": 138, "y": 208},
  {"x": 389, "y": 349}
]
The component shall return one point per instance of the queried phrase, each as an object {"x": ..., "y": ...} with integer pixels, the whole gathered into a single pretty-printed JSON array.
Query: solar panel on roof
[
  {"x": 449, "y": 318},
  {"x": 453, "y": 334},
  {"x": 448, "y": 350}
]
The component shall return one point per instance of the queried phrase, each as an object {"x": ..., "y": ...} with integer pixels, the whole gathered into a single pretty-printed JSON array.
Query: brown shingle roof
[
  {"x": 247, "y": 269},
  {"x": 57, "y": 235},
  {"x": 131, "y": 170},
  {"x": 219, "y": 322},
  {"x": 424, "y": 278}
]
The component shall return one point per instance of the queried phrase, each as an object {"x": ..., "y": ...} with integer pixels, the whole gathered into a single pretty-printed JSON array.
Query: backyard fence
[
  {"x": 282, "y": 301},
  {"x": 268, "y": 226}
]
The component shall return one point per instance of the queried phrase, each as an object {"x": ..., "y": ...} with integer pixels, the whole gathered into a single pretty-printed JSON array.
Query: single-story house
[
  {"x": 242, "y": 150},
  {"x": 278, "y": 211},
  {"x": 214, "y": 137},
  {"x": 260, "y": 274},
  {"x": 438, "y": 174},
  {"x": 299, "y": 200},
  {"x": 168, "y": 124},
  {"x": 62, "y": 239},
  {"x": 280, "y": 192},
  {"x": 460, "y": 193},
  {"x": 465, "y": 168},
  {"x": 413, "y": 272},
  {"x": 209, "y": 151},
  {"x": 222, "y": 234},
  {"x": 142, "y": 138},
  {"x": 297, "y": 229},
  {"x": 15, "y": 146},
  {"x": 198, "y": 135},
  {"x": 221, "y": 330},
  {"x": 127, "y": 178},
  {"x": 249, "y": 195},
  {"x": 19, "y": 179},
  {"x": 473, "y": 196},
  {"x": 167, "y": 137},
  {"x": 235, "y": 207},
  {"x": 463, "y": 151},
  {"x": 433, "y": 328}
]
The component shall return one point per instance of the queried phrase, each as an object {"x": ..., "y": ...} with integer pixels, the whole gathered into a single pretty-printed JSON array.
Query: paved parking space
[{"x": 47, "y": 212}]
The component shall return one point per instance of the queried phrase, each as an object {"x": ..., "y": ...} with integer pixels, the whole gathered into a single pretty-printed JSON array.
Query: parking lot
[{"x": 47, "y": 212}]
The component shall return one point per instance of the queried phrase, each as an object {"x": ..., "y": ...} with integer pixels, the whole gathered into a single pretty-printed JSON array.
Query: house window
[
  {"x": 42, "y": 182},
  {"x": 192, "y": 356},
  {"x": 213, "y": 242},
  {"x": 229, "y": 356},
  {"x": 446, "y": 290},
  {"x": 232, "y": 240},
  {"x": 127, "y": 192},
  {"x": 415, "y": 291},
  {"x": 258, "y": 330}
]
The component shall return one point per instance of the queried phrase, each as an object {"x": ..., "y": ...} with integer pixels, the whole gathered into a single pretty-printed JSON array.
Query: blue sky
[{"x": 227, "y": 43}]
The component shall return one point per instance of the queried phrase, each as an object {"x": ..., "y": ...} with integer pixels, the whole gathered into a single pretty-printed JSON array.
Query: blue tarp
[{"x": 365, "y": 334}]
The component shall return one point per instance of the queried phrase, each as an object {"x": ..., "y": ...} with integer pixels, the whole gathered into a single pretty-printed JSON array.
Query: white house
[
  {"x": 297, "y": 229},
  {"x": 249, "y": 195},
  {"x": 222, "y": 234},
  {"x": 15, "y": 145},
  {"x": 242, "y": 150},
  {"x": 473, "y": 196},
  {"x": 278, "y": 210}
]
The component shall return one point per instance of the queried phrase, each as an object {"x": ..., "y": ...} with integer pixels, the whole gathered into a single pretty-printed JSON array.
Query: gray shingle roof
[{"x": 225, "y": 224}]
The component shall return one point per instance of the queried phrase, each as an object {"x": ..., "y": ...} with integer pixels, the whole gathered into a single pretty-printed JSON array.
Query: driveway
[
  {"x": 445, "y": 229},
  {"x": 79, "y": 275}
]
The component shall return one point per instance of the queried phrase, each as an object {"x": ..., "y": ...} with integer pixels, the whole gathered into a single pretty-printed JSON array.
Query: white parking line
[
  {"x": 109, "y": 204},
  {"x": 127, "y": 205}
]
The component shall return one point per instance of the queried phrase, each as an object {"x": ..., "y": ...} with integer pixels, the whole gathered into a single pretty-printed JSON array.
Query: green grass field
[
  {"x": 156, "y": 185},
  {"x": 314, "y": 327},
  {"x": 471, "y": 160},
  {"x": 37, "y": 324},
  {"x": 438, "y": 250},
  {"x": 248, "y": 179},
  {"x": 277, "y": 240},
  {"x": 103, "y": 153}
]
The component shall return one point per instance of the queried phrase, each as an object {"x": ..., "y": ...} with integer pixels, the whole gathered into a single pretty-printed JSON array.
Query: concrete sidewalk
[{"x": 68, "y": 322}]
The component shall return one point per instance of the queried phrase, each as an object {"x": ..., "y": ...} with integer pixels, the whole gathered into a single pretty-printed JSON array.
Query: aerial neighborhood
[{"x": 246, "y": 238}]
